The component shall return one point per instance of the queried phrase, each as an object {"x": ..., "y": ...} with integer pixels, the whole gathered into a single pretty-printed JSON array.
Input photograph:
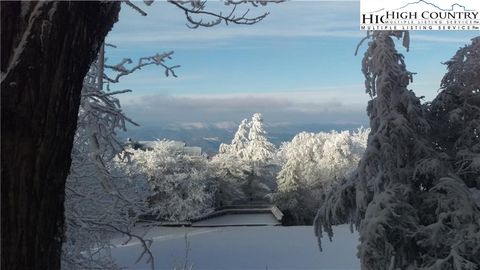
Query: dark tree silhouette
[{"x": 47, "y": 48}]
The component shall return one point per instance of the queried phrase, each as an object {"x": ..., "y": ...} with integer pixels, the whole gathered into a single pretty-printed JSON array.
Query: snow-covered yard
[{"x": 244, "y": 247}]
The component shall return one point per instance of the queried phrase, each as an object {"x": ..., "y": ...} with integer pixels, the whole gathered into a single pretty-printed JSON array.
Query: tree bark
[{"x": 46, "y": 50}]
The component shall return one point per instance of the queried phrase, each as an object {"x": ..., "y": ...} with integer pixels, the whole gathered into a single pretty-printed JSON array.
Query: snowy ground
[{"x": 244, "y": 247}]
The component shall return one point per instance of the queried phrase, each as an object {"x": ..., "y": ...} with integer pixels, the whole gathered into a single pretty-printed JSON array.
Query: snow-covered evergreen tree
[
  {"x": 239, "y": 143},
  {"x": 252, "y": 149},
  {"x": 455, "y": 113},
  {"x": 231, "y": 168},
  {"x": 260, "y": 153},
  {"x": 450, "y": 237},
  {"x": 397, "y": 179},
  {"x": 250, "y": 142},
  {"x": 380, "y": 197},
  {"x": 259, "y": 149}
]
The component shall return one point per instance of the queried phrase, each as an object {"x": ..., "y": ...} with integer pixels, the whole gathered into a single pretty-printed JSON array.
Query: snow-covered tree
[
  {"x": 252, "y": 149},
  {"x": 312, "y": 163},
  {"x": 455, "y": 113},
  {"x": 259, "y": 149},
  {"x": 260, "y": 153},
  {"x": 451, "y": 210},
  {"x": 230, "y": 168},
  {"x": 250, "y": 142},
  {"x": 94, "y": 215},
  {"x": 101, "y": 196},
  {"x": 229, "y": 174},
  {"x": 377, "y": 197},
  {"x": 179, "y": 182},
  {"x": 292, "y": 196},
  {"x": 239, "y": 143},
  {"x": 411, "y": 210}
]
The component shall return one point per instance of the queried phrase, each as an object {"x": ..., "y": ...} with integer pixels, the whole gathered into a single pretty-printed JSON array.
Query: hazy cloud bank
[{"x": 298, "y": 107}]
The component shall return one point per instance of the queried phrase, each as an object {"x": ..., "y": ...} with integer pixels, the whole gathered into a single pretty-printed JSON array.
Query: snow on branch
[
  {"x": 158, "y": 59},
  {"x": 373, "y": 67},
  {"x": 146, "y": 243},
  {"x": 104, "y": 196},
  {"x": 197, "y": 15}
]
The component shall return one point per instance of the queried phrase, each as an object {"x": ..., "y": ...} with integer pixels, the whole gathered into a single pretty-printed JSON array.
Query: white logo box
[{"x": 453, "y": 15}]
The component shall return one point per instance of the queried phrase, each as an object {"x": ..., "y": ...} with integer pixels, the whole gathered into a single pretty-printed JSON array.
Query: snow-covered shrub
[
  {"x": 229, "y": 174},
  {"x": 179, "y": 182},
  {"x": 311, "y": 163}
]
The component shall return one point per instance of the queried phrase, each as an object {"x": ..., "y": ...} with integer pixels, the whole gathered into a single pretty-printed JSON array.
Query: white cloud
[
  {"x": 325, "y": 106},
  {"x": 228, "y": 125},
  {"x": 428, "y": 37}
]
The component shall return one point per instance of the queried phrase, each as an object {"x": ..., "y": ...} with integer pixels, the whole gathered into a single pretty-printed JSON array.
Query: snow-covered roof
[
  {"x": 241, "y": 215},
  {"x": 181, "y": 146},
  {"x": 254, "y": 219}
]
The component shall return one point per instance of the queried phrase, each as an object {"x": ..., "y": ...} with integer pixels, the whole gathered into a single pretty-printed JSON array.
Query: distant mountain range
[
  {"x": 210, "y": 136},
  {"x": 427, "y": 4},
  {"x": 433, "y": 5}
]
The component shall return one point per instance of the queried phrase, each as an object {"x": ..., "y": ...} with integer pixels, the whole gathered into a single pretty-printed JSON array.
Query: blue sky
[{"x": 297, "y": 65}]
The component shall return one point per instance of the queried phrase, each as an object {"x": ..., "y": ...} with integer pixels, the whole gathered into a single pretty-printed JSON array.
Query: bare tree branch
[
  {"x": 146, "y": 243},
  {"x": 157, "y": 59},
  {"x": 197, "y": 8},
  {"x": 136, "y": 8}
]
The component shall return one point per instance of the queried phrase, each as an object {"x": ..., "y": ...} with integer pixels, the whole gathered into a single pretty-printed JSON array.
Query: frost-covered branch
[
  {"x": 146, "y": 243},
  {"x": 104, "y": 195},
  {"x": 197, "y": 14},
  {"x": 455, "y": 112},
  {"x": 385, "y": 54},
  {"x": 121, "y": 70}
]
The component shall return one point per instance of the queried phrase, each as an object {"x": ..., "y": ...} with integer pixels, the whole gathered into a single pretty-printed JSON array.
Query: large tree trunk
[{"x": 47, "y": 48}]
